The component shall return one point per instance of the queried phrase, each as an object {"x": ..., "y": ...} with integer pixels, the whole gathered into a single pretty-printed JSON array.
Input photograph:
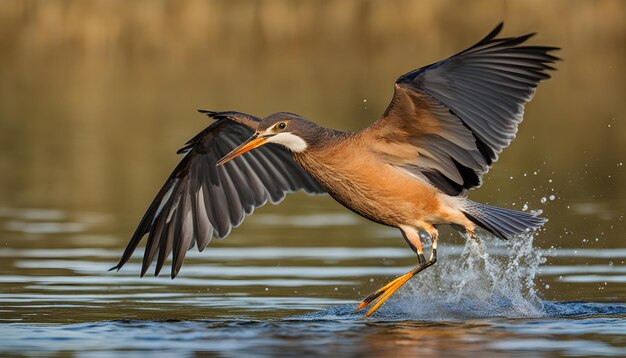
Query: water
[
  {"x": 92, "y": 111},
  {"x": 269, "y": 300}
]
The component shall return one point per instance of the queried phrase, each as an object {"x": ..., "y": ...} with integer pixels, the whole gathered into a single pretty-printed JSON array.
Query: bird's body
[
  {"x": 411, "y": 169},
  {"x": 350, "y": 171}
]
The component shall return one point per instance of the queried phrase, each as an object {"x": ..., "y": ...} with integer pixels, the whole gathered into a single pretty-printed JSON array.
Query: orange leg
[{"x": 412, "y": 237}]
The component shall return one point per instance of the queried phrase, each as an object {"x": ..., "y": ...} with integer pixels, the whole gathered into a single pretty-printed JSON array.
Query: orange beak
[{"x": 252, "y": 142}]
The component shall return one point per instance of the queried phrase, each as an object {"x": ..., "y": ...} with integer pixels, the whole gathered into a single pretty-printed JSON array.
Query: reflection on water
[
  {"x": 96, "y": 96},
  {"x": 319, "y": 337}
]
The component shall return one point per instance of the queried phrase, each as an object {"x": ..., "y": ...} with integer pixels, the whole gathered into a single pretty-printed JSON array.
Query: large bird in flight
[{"x": 411, "y": 169}]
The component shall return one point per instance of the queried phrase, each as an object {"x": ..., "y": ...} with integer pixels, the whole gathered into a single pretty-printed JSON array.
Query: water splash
[
  {"x": 472, "y": 286},
  {"x": 478, "y": 284}
]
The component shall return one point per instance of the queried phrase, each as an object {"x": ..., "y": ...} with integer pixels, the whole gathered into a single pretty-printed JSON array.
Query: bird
[{"x": 411, "y": 169}]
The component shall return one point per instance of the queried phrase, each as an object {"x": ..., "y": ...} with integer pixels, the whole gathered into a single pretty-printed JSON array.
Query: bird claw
[
  {"x": 386, "y": 292},
  {"x": 389, "y": 289}
]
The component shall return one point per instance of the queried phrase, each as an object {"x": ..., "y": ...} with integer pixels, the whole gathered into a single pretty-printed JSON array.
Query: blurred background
[{"x": 96, "y": 96}]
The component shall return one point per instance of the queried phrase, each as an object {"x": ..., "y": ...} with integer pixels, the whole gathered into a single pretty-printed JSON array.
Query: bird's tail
[{"x": 503, "y": 223}]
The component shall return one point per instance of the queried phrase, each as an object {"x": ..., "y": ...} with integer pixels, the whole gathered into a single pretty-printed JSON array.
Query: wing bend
[{"x": 448, "y": 121}]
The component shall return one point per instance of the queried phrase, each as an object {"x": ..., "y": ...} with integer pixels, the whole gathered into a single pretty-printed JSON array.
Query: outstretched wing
[
  {"x": 447, "y": 122},
  {"x": 200, "y": 200}
]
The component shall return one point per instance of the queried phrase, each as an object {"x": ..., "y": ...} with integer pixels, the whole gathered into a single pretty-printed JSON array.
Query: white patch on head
[{"x": 291, "y": 141}]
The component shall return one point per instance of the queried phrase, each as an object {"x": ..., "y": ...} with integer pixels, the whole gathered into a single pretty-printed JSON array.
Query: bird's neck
[
  {"x": 327, "y": 151},
  {"x": 326, "y": 139}
]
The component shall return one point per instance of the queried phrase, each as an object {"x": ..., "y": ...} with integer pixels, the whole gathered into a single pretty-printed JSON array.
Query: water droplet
[
  {"x": 543, "y": 200},
  {"x": 547, "y": 287},
  {"x": 267, "y": 289},
  {"x": 525, "y": 207},
  {"x": 552, "y": 197},
  {"x": 364, "y": 100}
]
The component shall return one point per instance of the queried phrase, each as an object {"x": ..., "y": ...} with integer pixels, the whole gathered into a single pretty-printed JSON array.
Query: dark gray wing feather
[
  {"x": 478, "y": 94},
  {"x": 200, "y": 200}
]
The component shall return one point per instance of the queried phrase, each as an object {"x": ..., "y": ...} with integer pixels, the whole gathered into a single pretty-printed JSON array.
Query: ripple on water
[
  {"x": 474, "y": 292},
  {"x": 336, "y": 330},
  {"x": 470, "y": 310}
]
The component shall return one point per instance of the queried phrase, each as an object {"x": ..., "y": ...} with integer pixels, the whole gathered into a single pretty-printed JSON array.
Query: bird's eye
[{"x": 281, "y": 125}]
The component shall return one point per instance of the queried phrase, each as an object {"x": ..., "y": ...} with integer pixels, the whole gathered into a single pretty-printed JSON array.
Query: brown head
[{"x": 288, "y": 129}]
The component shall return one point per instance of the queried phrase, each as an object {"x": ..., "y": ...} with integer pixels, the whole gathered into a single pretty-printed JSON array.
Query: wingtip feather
[
  {"x": 173, "y": 274},
  {"x": 493, "y": 32},
  {"x": 157, "y": 269}
]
